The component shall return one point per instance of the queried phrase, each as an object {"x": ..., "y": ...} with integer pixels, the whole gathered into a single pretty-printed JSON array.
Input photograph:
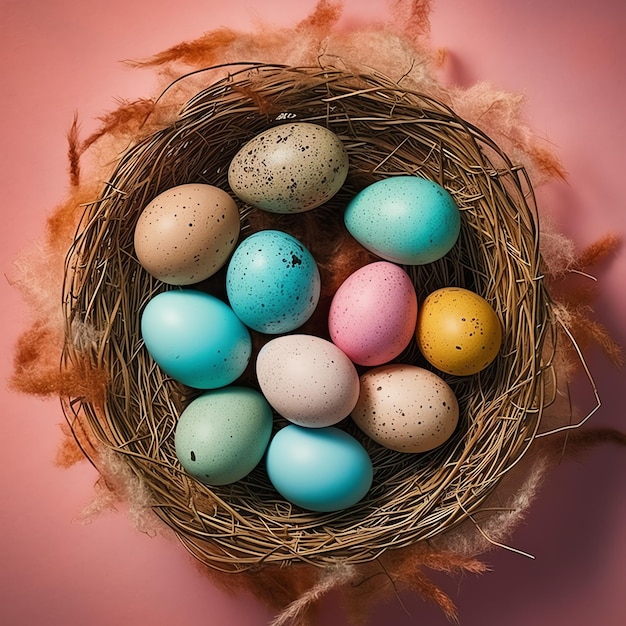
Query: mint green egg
[
  {"x": 222, "y": 435},
  {"x": 408, "y": 220}
]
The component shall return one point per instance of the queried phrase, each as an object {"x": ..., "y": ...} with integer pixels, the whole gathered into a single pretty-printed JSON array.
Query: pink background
[{"x": 61, "y": 56}]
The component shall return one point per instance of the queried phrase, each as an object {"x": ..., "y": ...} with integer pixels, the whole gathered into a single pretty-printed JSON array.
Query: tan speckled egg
[
  {"x": 289, "y": 168},
  {"x": 187, "y": 233},
  {"x": 406, "y": 408}
]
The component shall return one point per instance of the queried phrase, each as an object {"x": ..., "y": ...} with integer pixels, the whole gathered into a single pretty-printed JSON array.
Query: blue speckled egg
[
  {"x": 290, "y": 168},
  {"x": 272, "y": 282},
  {"x": 319, "y": 469},
  {"x": 222, "y": 435},
  {"x": 404, "y": 219},
  {"x": 196, "y": 338}
]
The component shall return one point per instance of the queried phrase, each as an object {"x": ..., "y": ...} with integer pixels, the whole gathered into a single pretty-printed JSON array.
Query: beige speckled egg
[
  {"x": 457, "y": 331},
  {"x": 406, "y": 408},
  {"x": 187, "y": 233},
  {"x": 289, "y": 168}
]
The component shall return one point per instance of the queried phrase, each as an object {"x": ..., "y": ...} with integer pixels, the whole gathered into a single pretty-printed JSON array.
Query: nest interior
[{"x": 387, "y": 131}]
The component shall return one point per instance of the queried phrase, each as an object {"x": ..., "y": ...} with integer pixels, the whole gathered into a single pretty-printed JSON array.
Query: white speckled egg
[
  {"x": 406, "y": 408},
  {"x": 187, "y": 233},
  {"x": 373, "y": 313},
  {"x": 307, "y": 380},
  {"x": 290, "y": 168}
]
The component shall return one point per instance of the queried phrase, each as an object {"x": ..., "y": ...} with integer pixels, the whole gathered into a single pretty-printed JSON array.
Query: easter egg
[
  {"x": 195, "y": 338},
  {"x": 307, "y": 380},
  {"x": 406, "y": 408},
  {"x": 222, "y": 435},
  {"x": 373, "y": 313},
  {"x": 187, "y": 233},
  {"x": 404, "y": 219},
  {"x": 319, "y": 469},
  {"x": 290, "y": 168},
  {"x": 272, "y": 282},
  {"x": 458, "y": 331}
]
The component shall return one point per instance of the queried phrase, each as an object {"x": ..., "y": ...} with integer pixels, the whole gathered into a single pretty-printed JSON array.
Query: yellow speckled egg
[
  {"x": 458, "y": 332},
  {"x": 406, "y": 408}
]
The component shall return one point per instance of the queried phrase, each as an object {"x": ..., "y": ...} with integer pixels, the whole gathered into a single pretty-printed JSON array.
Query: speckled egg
[
  {"x": 187, "y": 233},
  {"x": 406, "y": 408},
  {"x": 307, "y": 380},
  {"x": 222, "y": 435},
  {"x": 272, "y": 282},
  {"x": 404, "y": 219},
  {"x": 373, "y": 313},
  {"x": 290, "y": 168},
  {"x": 195, "y": 338},
  {"x": 458, "y": 331}
]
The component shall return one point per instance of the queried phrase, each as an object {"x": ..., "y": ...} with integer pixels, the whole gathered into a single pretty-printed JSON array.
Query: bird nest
[{"x": 387, "y": 131}]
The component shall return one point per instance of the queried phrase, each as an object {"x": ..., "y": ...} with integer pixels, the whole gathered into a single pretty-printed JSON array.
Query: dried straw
[{"x": 388, "y": 131}]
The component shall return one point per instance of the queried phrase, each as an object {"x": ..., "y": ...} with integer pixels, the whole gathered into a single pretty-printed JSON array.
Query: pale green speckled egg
[{"x": 222, "y": 435}]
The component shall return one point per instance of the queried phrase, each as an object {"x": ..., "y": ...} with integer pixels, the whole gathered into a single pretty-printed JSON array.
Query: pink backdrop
[{"x": 61, "y": 56}]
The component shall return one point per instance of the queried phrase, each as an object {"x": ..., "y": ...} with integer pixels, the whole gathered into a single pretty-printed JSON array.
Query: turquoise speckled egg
[
  {"x": 196, "y": 338},
  {"x": 222, "y": 435},
  {"x": 272, "y": 282},
  {"x": 404, "y": 219},
  {"x": 319, "y": 469}
]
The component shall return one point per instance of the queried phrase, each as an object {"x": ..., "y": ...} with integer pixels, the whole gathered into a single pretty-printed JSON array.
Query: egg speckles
[
  {"x": 272, "y": 282},
  {"x": 406, "y": 408},
  {"x": 458, "y": 332},
  {"x": 373, "y": 313},
  {"x": 307, "y": 379},
  {"x": 289, "y": 168},
  {"x": 187, "y": 233}
]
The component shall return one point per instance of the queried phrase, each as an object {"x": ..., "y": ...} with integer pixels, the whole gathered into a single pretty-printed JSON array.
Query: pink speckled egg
[
  {"x": 307, "y": 380},
  {"x": 373, "y": 314},
  {"x": 406, "y": 408}
]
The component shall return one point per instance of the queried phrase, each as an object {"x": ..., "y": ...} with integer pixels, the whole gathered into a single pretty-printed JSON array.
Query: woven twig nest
[{"x": 387, "y": 131}]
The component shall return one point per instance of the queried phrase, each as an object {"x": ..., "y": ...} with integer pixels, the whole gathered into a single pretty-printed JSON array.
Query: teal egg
[
  {"x": 196, "y": 338},
  {"x": 319, "y": 469},
  {"x": 404, "y": 219},
  {"x": 272, "y": 282},
  {"x": 222, "y": 435}
]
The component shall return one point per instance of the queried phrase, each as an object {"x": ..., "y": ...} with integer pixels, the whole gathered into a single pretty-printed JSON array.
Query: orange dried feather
[{"x": 206, "y": 50}]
